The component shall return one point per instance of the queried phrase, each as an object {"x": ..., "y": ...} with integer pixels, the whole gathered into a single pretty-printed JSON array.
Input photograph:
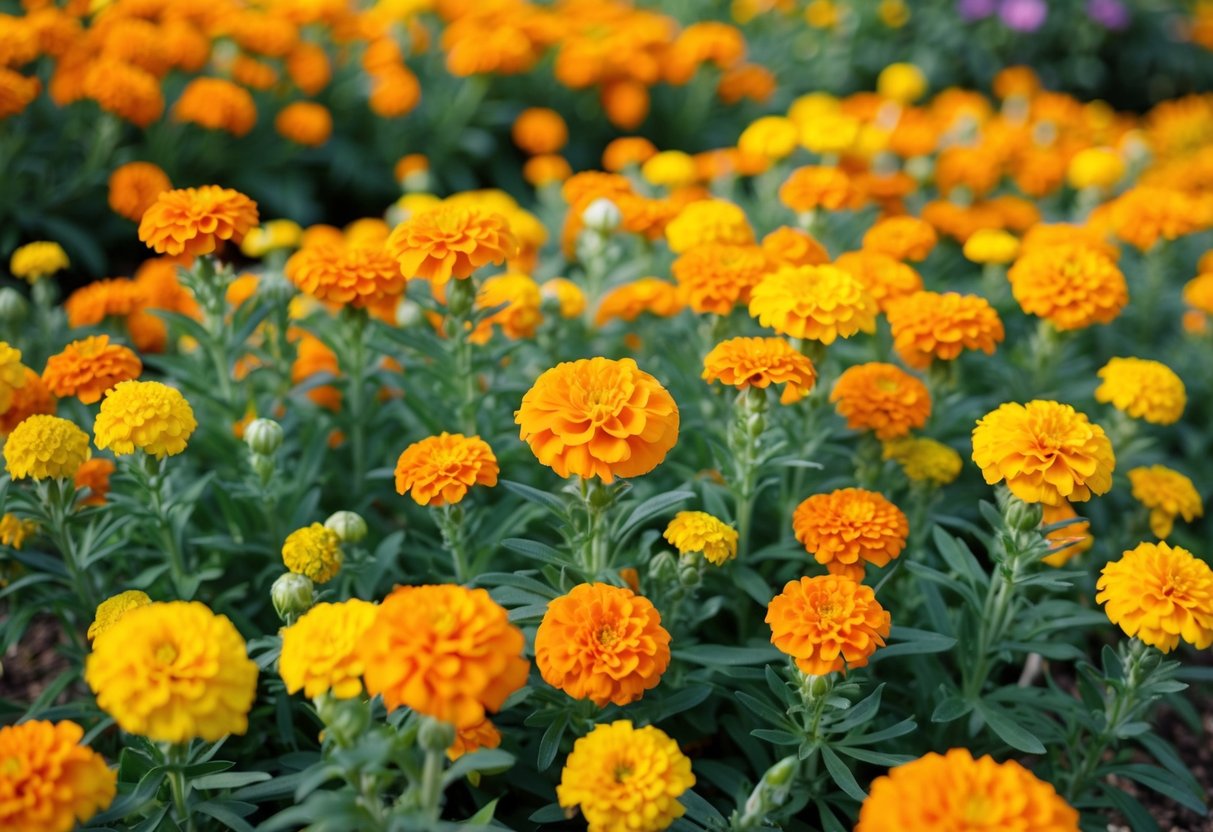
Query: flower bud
[
  {"x": 460, "y": 297},
  {"x": 1021, "y": 516},
  {"x": 13, "y": 307},
  {"x": 435, "y": 735},
  {"x": 602, "y": 216},
  {"x": 344, "y": 719},
  {"x": 263, "y": 436},
  {"x": 408, "y": 313},
  {"x": 349, "y": 526},
  {"x": 292, "y": 595}
]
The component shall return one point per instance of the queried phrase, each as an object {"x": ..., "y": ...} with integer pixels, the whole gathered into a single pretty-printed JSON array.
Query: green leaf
[
  {"x": 229, "y": 779},
  {"x": 534, "y": 495},
  {"x": 761, "y": 709},
  {"x": 683, "y": 700},
  {"x": 549, "y": 743},
  {"x": 485, "y": 761},
  {"x": 876, "y": 758},
  {"x": 537, "y": 551},
  {"x": 223, "y": 812},
  {"x": 1155, "y": 778},
  {"x": 908, "y": 641},
  {"x": 701, "y": 811},
  {"x": 1009, "y": 730},
  {"x": 649, "y": 509},
  {"x": 861, "y": 713},
  {"x": 716, "y": 655},
  {"x": 841, "y": 775},
  {"x": 1139, "y": 819},
  {"x": 951, "y": 709},
  {"x": 485, "y": 816}
]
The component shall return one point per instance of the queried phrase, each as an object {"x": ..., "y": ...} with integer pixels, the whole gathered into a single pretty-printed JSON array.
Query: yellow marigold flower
[
  {"x": 304, "y": 122},
  {"x": 717, "y": 277},
  {"x": 1159, "y": 594},
  {"x": 144, "y": 415},
  {"x": 991, "y": 245},
  {"x": 598, "y": 417},
  {"x": 881, "y": 398},
  {"x": 669, "y": 168},
  {"x": 819, "y": 303},
  {"x": 445, "y": 651},
  {"x": 850, "y": 527},
  {"x": 789, "y": 246},
  {"x": 648, "y": 294},
  {"x": 193, "y": 221},
  {"x": 772, "y": 137},
  {"x": 828, "y": 623},
  {"x": 34, "y": 261},
  {"x": 482, "y": 735},
  {"x": 439, "y": 470},
  {"x": 812, "y": 187},
  {"x": 88, "y": 368},
  {"x": 1069, "y": 541},
  {"x": 320, "y": 650},
  {"x": 603, "y": 643},
  {"x": 346, "y": 275},
  {"x": 692, "y": 532},
  {"x": 134, "y": 187},
  {"x": 929, "y": 325},
  {"x": 625, "y": 779},
  {"x": 923, "y": 459},
  {"x": 953, "y": 791},
  {"x": 1198, "y": 292},
  {"x": 539, "y": 130},
  {"x": 14, "y": 531},
  {"x": 831, "y": 132},
  {"x": 1167, "y": 494},
  {"x": 1045, "y": 451},
  {"x": 194, "y": 660},
  {"x": 314, "y": 552},
  {"x": 708, "y": 221},
  {"x": 110, "y": 611},
  {"x": 567, "y": 294},
  {"x": 216, "y": 104},
  {"x": 885, "y": 278},
  {"x": 12, "y": 374},
  {"x": 450, "y": 241},
  {"x": 902, "y": 238},
  {"x": 761, "y": 362},
  {"x": 1071, "y": 285},
  {"x": 901, "y": 82},
  {"x": 1095, "y": 167},
  {"x": 1143, "y": 389},
  {"x": 45, "y": 447},
  {"x": 522, "y": 311},
  {"x": 30, "y": 399},
  {"x": 49, "y": 782}
]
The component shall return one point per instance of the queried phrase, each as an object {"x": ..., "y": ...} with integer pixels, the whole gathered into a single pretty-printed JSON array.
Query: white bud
[{"x": 602, "y": 216}]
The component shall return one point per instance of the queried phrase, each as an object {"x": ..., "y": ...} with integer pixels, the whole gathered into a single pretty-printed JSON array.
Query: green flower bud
[
  {"x": 1021, "y": 516},
  {"x": 349, "y": 526},
  {"x": 263, "y": 436},
  {"x": 345, "y": 720},
  {"x": 292, "y": 595},
  {"x": 460, "y": 297},
  {"x": 13, "y": 307},
  {"x": 435, "y": 735}
]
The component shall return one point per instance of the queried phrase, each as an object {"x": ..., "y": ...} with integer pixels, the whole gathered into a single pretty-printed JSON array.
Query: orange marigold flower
[
  {"x": 473, "y": 738},
  {"x": 929, "y": 325},
  {"x": 789, "y": 246},
  {"x": 1045, "y": 451},
  {"x": 955, "y": 792},
  {"x": 133, "y": 188},
  {"x": 549, "y": 169},
  {"x": 627, "y": 151},
  {"x": 304, "y": 122},
  {"x": 1159, "y": 594},
  {"x": 49, "y": 781},
  {"x": 1167, "y": 494},
  {"x": 717, "y": 277},
  {"x": 309, "y": 68},
  {"x": 1143, "y": 215},
  {"x": 708, "y": 221},
  {"x": 94, "y": 475},
  {"x": 30, "y": 399},
  {"x": 439, "y": 470},
  {"x": 445, "y": 651},
  {"x": 902, "y": 238},
  {"x": 17, "y": 92},
  {"x": 88, "y": 368},
  {"x": 1198, "y": 292},
  {"x": 598, "y": 417},
  {"x": 566, "y": 294},
  {"x": 313, "y": 357},
  {"x": 1068, "y": 541},
  {"x": 101, "y": 299},
  {"x": 192, "y": 221},
  {"x": 761, "y": 362},
  {"x": 828, "y": 623},
  {"x": 881, "y": 398},
  {"x": 450, "y": 241},
  {"x": 603, "y": 643},
  {"x": 124, "y": 90},
  {"x": 885, "y": 278},
  {"x": 821, "y": 303},
  {"x": 648, "y": 294},
  {"x": 977, "y": 169},
  {"x": 521, "y": 300},
  {"x": 814, "y": 186},
  {"x": 1071, "y": 286},
  {"x": 850, "y": 527},
  {"x": 1143, "y": 389},
  {"x": 395, "y": 92},
  {"x": 216, "y": 104},
  {"x": 539, "y": 130},
  {"x": 359, "y": 276}
]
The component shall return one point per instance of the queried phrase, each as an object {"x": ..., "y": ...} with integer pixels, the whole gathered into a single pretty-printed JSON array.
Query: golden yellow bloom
[
  {"x": 717, "y": 277},
  {"x": 929, "y": 325},
  {"x": 193, "y": 221},
  {"x": 216, "y": 104},
  {"x": 761, "y": 362},
  {"x": 144, "y": 415},
  {"x": 1069, "y": 541},
  {"x": 320, "y": 650},
  {"x": 708, "y": 221},
  {"x": 30, "y": 399},
  {"x": 522, "y": 311},
  {"x": 1045, "y": 451},
  {"x": 546, "y": 170},
  {"x": 445, "y": 651},
  {"x": 14, "y": 530},
  {"x": 49, "y": 782},
  {"x": 1159, "y": 594},
  {"x": 34, "y": 261},
  {"x": 881, "y": 398},
  {"x": 772, "y": 137},
  {"x": 692, "y": 532},
  {"x": 902, "y": 238},
  {"x": 625, "y": 779},
  {"x": 355, "y": 275},
  {"x": 819, "y": 303},
  {"x": 314, "y": 552},
  {"x": 669, "y": 168},
  {"x": 923, "y": 459},
  {"x": 598, "y": 417},
  {"x": 885, "y": 278},
  {"x": 1198, "y": 292},
  {"x": 850, "y": 527},
  {"x": 110, "y": 611},
  {"x": 1143, "y": 389},
  {"x": 88, "y": 368},
  {"x": 439, "y": 470},
  {"x": 305, "y": 122},
  {"x": 903, "y": 83},
  {"x": 482, "y": 735},
  {"x": 450, "y": 241},
  {"x": 567, "y": 294},
  {"x": 1144, "y": 214},
  {"x": 1070, "y": 285},
  {"x": 812, "y": 187},
  {"x": 1095, "y": 167},
  {"x": 12, "y": 374},
  {"x": 45, "y": 447},
  {"x": 991, "y": 245},
  {"x": 648, "y": 294},
  {"x": 1167, "y": 494},
  {"x": 827, "y": 624},
  {"x": 134, "y": 187},
  {"x": 955, "y": 792}
]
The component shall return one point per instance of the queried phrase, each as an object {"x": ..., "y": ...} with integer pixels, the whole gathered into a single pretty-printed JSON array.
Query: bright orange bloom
[
  {"x": 125, "y": 90},
  {"x": 929, "y": 325},
  {"x": 539, "y": 130},
  {"x": 648, "y": 294},
  {"x": 193, "y": 221},
  {"x": 49, "y": 781},
  {"x": 789, "y": 246},
  {"x": 828, "y": 623},
  {"x": 812, "y": 187},
  {"x": 881, "y": 398},
  {"x": 94, "y": 475},
  {"x": 1069, "y": 541},
  {"x": 313, "y": 357},
  {"x": 1159, "y": 594},
  {"x": 101, "y": 299},
  {"x": 627, "y": 151},
  {"x": 88, "y": 368},
  {"x": 133, "y": 188},
  {"x": 482, "y": 735},
  {"x": 216, "y": 104},
  {"x": 761, "y": 362},
  {"x": 886, "y": 279},
  {"x": 521, "y": 302},
  {"x": 902, "y": 238},
  {"x": 30, "y": 399},
  {"x": 850, "y": 527},
  {"x": 305, "y": 122},
  {"x": 359, "y": 276},
  {"x": 717, "y": 277},
  {"x": 439, "y": 470},
  {"x": 820, "y": 303},
  {"x": 706, "y": 222},
  {"x": 1070, "y": 285},
  {"x": 450, "y": 241}
]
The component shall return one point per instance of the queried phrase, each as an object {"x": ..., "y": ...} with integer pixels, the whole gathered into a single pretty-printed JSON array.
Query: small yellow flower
[
  {"x": 12, "y": 375},
  {"x": 1167, "y": 494},
  {"x": 1159, "y": 594},
  {"x": 1095, "y": 167},
  {"x": 1143, "y": 389},
  {"x": 34, "y": 261},
  {"x": 671, "y": 168},
  {"x": 991, "y": 245},
  {"x": 903, "y": 83},
  {"x": 320, "y": 650},
  {"x": 144, "y": 415},
  {"x": 45, "y": 447},
  {"x": 314, "y": 552},
  {"x": 697, "y": 531},
  {"x": 923, "y": 459},
  {"x": 111, "y": 610},
  {"x": 14, "y": 530},
  {"x": 773, "y": 137},
  {"x": 819, "y": 303},
  {"x": 708, "y": 221}
]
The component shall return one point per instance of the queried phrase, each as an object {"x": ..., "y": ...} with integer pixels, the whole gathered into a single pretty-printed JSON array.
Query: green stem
[
  {"x": 995, "y": 617},
  {"x": 1116, "y": 711},
  {"x": 60, "y": 502},
  {"x": 431, "y": 785},
  {"x": 356, "y": 333},
  {"x": 593, "y": 551},
  {"x": 154, "y": 470},
  {"x": 451, "y": 523},
  {"x": 461, "y": 305},
  {"x": 177, "y": 755},
  {"x": 744, "y": 439}
]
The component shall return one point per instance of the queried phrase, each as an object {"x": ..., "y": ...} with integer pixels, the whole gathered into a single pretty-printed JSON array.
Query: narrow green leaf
[{"x": 841, "y": 775}]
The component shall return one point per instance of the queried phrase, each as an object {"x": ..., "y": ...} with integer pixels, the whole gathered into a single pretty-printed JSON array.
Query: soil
[{"x": 33, "y": 663}]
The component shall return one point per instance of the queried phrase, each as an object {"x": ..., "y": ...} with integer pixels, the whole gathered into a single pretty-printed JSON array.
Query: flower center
[
  {"x": 622, "y": 771},
  {"x": 977, "y": 808},
  {"x": 607, "y": 636},
  {"x": 827, "y": 610},
  {"x": 886, "y": 385},
  {"x": 166, "y": 653},
  {"x": 10, "y": 766}
]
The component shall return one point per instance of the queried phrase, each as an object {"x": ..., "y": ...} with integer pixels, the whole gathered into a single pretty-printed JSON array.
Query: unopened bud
[
  {"x": 460, "y": 297},
  {"x": 1021, "y": 516},
  {"x": 435, "y": 735},
  {"x": 292, "y": 595},
  {"x": 263, "y": 436},
  {"x": 409, "y": 313},
  {"x": 344, "y": 719},
  {"x": 13, "y": 307},
  {"x": 602, "y": 216},
  {"x": 349, "y": 526}
]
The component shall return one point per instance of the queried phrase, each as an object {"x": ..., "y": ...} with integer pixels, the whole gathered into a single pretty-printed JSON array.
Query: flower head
[
  {"x": 1143, "y": 389},
  {"x": 439, "y": 470},
  {"x": 812, "y": 187},
  {"x": 789, "y": 246},
  {"x": 193, "y": 221},
  {"x": 648, "y": 294},
  {"x": 850, "y": 527},
  {"x": 216, "y": 104},
  {"x": 110, "y": 611},
  {"x": 1045, "y": 451},
  {"x": 30, "y": 399},
  {"x": 45, "y": 447},
  {"x": 598, "y": 417},
  {"x": 357, "y": 275},
  {"x": 929, "y": 325},
  {"x": 134, "y": 187},
  {"x": 520, "y": 300},
  {"x": 760, "y": 362},
  {"x": 450, "y": 241},
  {"x": 88, "y": 368},
  {"x": 885, "y": 278},
  {"x": 484, "y": 734},
  {"x": 692, "y": 532},
  {"x": 1070, "y": 285},
  {"x": 902, "y": 238},
  {"x": 14, "y": 530},
  {"x": 991, "y": 245},
  {"x": 1159, "y": 594},
  {"x": 445, "y": 651},
  {"x": 881, "y": 398},
  {"x": 314, "y": 552},
  {"x": 320, "y": 650},
  {"x": 828, "y": 623},
  {"x": 173, "y": 672},
  {"x": 1068, "y": 541},
  {"x": 34, "y": 261},
  {"x": 1167, "y": 494},
  {"x": 708, "y": 221},
  {"x": 49, "y": 782},
  {"x": 12, "y": 375},
  {"x": 625, "y": 779},
  {"x": 718, "y": 276},
  {"x": 603, "y": 643},
  {"x": 304, "y": 122},
  {"x": 820, "y": 303},
  {"x": 144, "y": 415}
]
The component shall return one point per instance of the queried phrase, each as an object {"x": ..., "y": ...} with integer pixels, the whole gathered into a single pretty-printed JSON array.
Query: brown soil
[{"x": 33, "y": 663}]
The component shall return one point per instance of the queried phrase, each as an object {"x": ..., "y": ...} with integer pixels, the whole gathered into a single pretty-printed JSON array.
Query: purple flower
[
  {"x": 1111, "y": 14},
  {"x": 1023, "y": 15},
  {"x": 976, "y": 9}
]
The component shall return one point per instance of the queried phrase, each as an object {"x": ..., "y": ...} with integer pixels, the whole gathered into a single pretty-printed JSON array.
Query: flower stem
[
  {"x": 744, "y": 439},
  {"x": 451, "y": 523},
  {"x": 177, "y": 755},
  {"x": 355, "y": 320},
  {"x": 593, "y": 549},
  {"x": 431, "y": 784},
  {"x": 154, "y": 470}
]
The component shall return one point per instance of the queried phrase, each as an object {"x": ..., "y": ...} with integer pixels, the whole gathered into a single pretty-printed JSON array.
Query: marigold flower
[
  {"x": 991, "y": 245},
  {"x": 123, "y": 89},
  {"x": 304, "y": 122},
  {"x": 30, "y": 399},
  {"x": 134, "y": 187},
  {"x": 346, "y": 275},
  {"x": 881, "y": 398},
  {"x": 814, "y": 186},
  {"x": 1144, "y": 214},
  {"x": 34, "y": 261},
  {"x": 850, "y": 527},
  {"x": 101, "y": 299},
  {"x": 1159, "y": 594},
  {"x": 567, "y": 294},
  {"x": 216, "y": 104},
  {"x": 45, "y": 447},
  {"x": 539, "y": 130},
  {"x": 320, "y": 650},
  {"x": 954, "y": 791},
  {"x": 902, "y": 238},
  {"x": 12, "y": 374},
  {"x": 17, "y": 92},
  {"x": 439, "y": 470},
  {"x": 194, "y": 660},
  {"x": 717, "y": 277},
  {"x": 929, "y": 325},
  {"x": 648, "y": 294},
  {"x": 692, "y": 532},
  {"x": 923, "y": 459},
  {"x": 1167, "y": 494},
  {"x": 789, "y": 246},
  {"x": 521, "y": 300},
  {"x": 828, "y": 623},
  {"x": 772, "y": 137},
  {"x": 1072, "y": 286},
  {"x": 88, "y": 368},
  {"x": 314, "y": 552},
  {"x": 625, "y": 779},
  {"x": 886, "y": 279},
  {"x": 1045, "y": 451},
  {"x": 1143, "y": 389},
  {"x": 1198, "y": 292},
  {"x": 549, "y": 169},
  {"x": 395, "y": 92},
  {"x": 94, "y": 475},
  {"x": 901, "y": 82},
  {"x": 627, "y": 151},
  {"x": 49, "y": 781},
  {"x": 110, "y": 611},
  {"x": 14, "y": 531},
  {"x": 761, "y": 362},
  {"x": 450, "y": 241},
  {"x": 482, "y": 735},
  {"x": 144, "y": 415},
  {"x": 192, "y": 221},
  {"x": 445, "y": 651},
  {"x": 314, "y": 357},
  {"x": 1095, "y": 167},
  {"x": 598, "y": 417},
  {"x": 669, "y": 168},
  {"x": 819, "y": 303},
  {"x": 1069, "y": 541}
]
